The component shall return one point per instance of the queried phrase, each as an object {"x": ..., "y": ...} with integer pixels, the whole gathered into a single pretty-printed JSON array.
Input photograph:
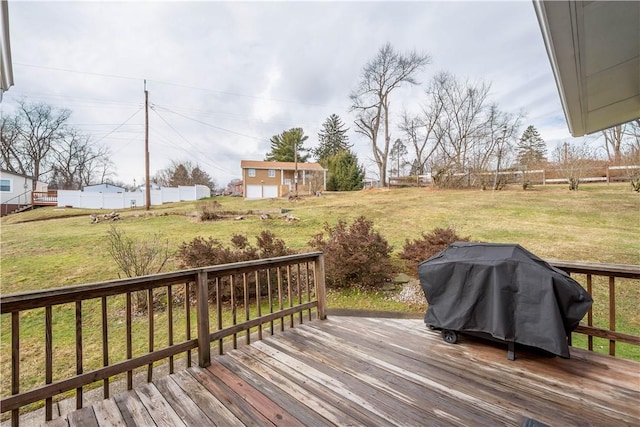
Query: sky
[{"x": 224, "y": 77}]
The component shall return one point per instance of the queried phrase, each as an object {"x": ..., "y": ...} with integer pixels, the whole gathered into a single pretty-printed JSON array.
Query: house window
[
  {"x": 252, "y": 173},
  {"x": 5, "y": 185},
  {"x": 272, "y": 173}
]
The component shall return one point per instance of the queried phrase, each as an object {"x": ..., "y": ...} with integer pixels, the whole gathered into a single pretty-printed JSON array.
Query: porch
[
  {"x": 367, "y": 371},
  {"x": 282, "y": 361}
]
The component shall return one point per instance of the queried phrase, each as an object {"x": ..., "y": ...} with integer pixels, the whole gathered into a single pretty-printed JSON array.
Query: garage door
[{"x": 262, "y": 191}]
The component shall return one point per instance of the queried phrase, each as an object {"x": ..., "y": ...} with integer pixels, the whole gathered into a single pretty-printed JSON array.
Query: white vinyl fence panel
[{"x": 95, "y": 200}]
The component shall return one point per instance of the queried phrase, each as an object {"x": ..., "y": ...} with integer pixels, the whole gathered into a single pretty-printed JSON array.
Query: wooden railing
[
  {"x": 586, "y": 274},
  {"x": 246, "y": 298},
  {"x": 44, "y": 198}
]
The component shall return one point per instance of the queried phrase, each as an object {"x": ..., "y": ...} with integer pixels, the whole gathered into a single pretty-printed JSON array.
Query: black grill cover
[{"x": 505, "y": 291}]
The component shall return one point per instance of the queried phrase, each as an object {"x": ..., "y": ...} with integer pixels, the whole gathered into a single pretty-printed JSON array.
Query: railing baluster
[
  {"x": 289, "y": 294},
  {"x": 204, "y": 349},
  {"x": 612, "y": 313},
  {"x": 280, "y": 304},
  {"x": 128, "y": 327},
  {"x": 270, "y": 295},
  {"x": 151, "y": 331},
  {"x": 79, "y": 351},
  {"x": 234, "y": 319},
  {"x": 15, "y": 363},
  {"x": 219, "y": 313},
  {"x": 299, "y": 288},
  {"x": 258, "y": 302},
  {"x": 170, "y": 324},
  {"x": 187, "y": 317},
  {"x": 245, "y": 287},
  {"x": 308, "y": 286},
  {"x": 590, "y": 312},
  {"x": 48, "y": 359},
  {"x": 105, "y": 345}
]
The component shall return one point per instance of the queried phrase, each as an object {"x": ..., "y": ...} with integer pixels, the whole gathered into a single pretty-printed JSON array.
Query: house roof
[
  {"x": 257, "y": 164},
  {"x": 4, "y": 171},
  {"x": 594, "y": 50}
]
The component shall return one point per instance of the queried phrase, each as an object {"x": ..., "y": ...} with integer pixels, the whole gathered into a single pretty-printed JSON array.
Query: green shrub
[
  {"x": 355, "y": 255},
  {"x": 418, "y": 250}
]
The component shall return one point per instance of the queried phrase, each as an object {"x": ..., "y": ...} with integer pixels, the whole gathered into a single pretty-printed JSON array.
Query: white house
[{"x": 16, "y": 189}]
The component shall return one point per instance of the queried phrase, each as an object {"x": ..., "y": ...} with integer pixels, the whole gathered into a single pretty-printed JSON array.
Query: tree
[
  {"x": 387, "y": 71},
  {"x": 38, "y": 127},
  {"x": 183, "y": 173},
  {"x": 398, "y": 153},
  {"x": 574, "y": 160},
  {"x": 74, "y": 162},
  {"x": 288, "y": 145},
  {"x": 333, "y": 139},
  {"x": 345, "y": 174},
  {"x": 461, "y": 128},
  {"x": 531, "y": 148}
]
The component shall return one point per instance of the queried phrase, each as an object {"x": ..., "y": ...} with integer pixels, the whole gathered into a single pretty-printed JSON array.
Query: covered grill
[{"x": 504, "y": 291}]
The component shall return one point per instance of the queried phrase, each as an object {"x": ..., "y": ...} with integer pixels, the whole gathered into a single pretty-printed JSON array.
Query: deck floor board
[{"x": 379, "y": 372}]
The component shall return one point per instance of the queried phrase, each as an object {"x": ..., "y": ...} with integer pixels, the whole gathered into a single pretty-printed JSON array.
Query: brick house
[{"x": 276, "y": 179}]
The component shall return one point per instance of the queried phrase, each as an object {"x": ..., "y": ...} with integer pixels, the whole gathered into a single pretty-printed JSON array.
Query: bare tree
[
  {"x": 387, "y": 71},
  {"x": 574, "y": 160},
  {"x": 613, "y": 138},
  {"x": 461, "y": 127},
  {"x": 11, "y": 159},
  {"x": 39, "y": 128},
  {"x": 76, "y": 162}
]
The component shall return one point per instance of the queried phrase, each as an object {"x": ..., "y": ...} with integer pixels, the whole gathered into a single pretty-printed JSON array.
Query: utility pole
[
  {"x": 147, "y": 188},
  {"x": 295, "y": 176}
]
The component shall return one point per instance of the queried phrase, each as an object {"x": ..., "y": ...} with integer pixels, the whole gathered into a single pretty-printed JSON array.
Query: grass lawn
[{"x": 54, "y": 247}]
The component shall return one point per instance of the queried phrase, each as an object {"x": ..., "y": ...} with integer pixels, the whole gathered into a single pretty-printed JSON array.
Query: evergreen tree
[
  {"x": 345, "y": 174},
  {"x": 397, "y": 154},
  {"x": 531, "y": 148},
  {"x": 333, "y": 139},
  {"x": 200, "y": 177},
  {"x": 180, "y": 176},
  {"x": 284, "y": 145}
]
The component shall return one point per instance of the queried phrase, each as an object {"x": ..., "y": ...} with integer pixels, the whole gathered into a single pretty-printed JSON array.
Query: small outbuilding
[{"x": 104, "y": 188}]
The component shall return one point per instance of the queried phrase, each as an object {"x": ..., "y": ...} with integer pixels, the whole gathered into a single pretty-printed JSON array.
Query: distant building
[
  {"x": 234, "y": 188},
  {"x": 264, "y": 180}
]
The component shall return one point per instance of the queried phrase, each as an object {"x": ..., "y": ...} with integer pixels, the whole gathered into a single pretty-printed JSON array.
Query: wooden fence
[{"x": 246, "y": 298}]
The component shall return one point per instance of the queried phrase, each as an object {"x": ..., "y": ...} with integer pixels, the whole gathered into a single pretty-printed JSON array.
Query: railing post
[
  {"x": 202, "y": 313},
  {"x": 320, "y": 287}
]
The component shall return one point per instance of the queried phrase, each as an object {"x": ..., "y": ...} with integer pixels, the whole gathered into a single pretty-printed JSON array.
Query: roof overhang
[
  {"x": 594, "y": 50},
  {"x": 6, "y": 67}
]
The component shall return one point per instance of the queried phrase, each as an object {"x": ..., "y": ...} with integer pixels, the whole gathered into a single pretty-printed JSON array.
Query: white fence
[{"x": 95, "y": 200}]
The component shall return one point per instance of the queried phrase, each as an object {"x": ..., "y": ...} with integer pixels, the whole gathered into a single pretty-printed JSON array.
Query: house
[
  {"x": 104, "y": 188},
  {"x": 276, "y": 179},
  {"x": 234, "y": 188},
  {"x": 16, "y": 190}
]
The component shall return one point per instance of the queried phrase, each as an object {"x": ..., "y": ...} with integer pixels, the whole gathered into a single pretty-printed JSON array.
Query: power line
[
  {"x": 120, "y": 125},
  {"x": 209, "y": 124},
  {"x": 189, "y": 142}
]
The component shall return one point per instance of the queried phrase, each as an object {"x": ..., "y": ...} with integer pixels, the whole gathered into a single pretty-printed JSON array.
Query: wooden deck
[{"x": 366, "y": 371}]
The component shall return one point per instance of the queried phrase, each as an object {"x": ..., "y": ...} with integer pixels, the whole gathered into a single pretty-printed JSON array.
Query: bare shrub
[
  {"x": 209, "y": 211},
  {"x": 355, "y": 255},
  {"x": 418, "y": 250},
  {"x": 138, "y": 258}
]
